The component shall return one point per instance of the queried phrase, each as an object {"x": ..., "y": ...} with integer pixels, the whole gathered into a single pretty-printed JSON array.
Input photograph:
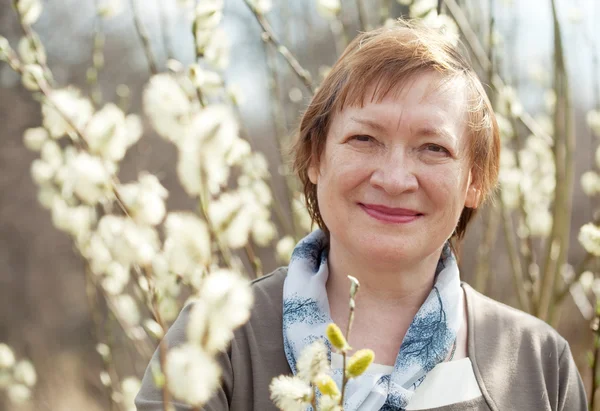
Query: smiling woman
[{"x": 396, "y": 151}]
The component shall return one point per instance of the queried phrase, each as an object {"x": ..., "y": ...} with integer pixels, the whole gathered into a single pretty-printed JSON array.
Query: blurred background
[{"x": 44, "y": 309}]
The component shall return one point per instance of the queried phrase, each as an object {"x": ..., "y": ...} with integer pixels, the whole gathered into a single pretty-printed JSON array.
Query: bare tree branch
[{"x": 269, "y": 35}]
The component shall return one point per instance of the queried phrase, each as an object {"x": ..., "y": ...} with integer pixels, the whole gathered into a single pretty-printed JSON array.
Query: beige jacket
[{"x": 520, "y": 362}]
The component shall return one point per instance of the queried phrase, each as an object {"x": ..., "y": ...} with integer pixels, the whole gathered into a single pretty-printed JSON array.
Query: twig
[
  {"x": 581, "y": 268},
  {"x": 385, "y": 11},
  {"x": 162, "y": 345},
  {"x": 491, "y": 67},
  {"x": 30, "y": 37},
  {"x": 482, "y": 266},
  {"x": 353, "y": 290},
  {"x": 164, "y": 30},
  {"x": 97, "y": 60},
  {"x": 595, "y": 359},
  {"x": 515, "y": 262},
  {"x": 362, "y": 17},
  {"x": 280, "y": 127},
  {"x": 526, "y": 248},
  {"x": 91, "y": 294},
  {"x": 139, "y": 28},
  {"x": 482, "y": 59},
  {"x": 203, "y": 210},
  {"x": 268, "y": 35},
  {"x": 564, "y": 149},
  {"x": 490, "y": 220},
  {"x": 254, "y": 260}
]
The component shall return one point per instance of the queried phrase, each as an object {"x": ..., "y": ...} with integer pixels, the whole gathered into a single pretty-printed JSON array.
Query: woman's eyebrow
[
  {"x": 369, "y": 123},
  {"x": 434, "y": 132}
]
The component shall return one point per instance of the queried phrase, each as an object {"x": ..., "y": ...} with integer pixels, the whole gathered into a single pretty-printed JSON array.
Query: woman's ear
[
  {"x": 313, "y": 172},
  {"x": 473, "y": 193}
]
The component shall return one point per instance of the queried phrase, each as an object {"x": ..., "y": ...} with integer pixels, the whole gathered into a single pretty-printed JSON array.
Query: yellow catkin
[
  {"x": 359, "y": 362},
  {"x": 335, "y": 336},
  {"x": 327, "y": 386}
]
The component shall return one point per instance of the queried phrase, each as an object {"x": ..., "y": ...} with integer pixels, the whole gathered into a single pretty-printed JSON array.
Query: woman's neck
[
  {"x": 387, "y": 302},
  {"x": 396, "y": 284}
]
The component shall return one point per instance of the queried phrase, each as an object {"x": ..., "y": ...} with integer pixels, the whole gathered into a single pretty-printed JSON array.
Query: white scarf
[{"x": 428, "y": 341}]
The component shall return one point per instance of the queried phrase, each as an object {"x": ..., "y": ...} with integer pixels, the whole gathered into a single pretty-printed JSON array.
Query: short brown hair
[{"x": 385, "y": 58}]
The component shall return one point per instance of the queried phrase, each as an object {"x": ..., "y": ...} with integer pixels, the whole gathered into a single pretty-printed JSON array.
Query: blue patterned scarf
[{"x": 428, "y": 341}]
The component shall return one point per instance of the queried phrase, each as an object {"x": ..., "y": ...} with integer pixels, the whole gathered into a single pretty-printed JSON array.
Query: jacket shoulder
[
  {"x": 268, "y": 291},
  {"x": 491, "y": 317},
  {"x": 520, "y": 361}
]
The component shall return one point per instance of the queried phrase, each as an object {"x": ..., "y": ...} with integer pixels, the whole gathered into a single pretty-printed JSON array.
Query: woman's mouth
[{"x": 390, "y": 214}]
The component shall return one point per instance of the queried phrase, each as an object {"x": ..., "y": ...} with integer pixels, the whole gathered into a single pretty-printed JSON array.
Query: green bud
[
  {"x": 327, "y": 386},
  {"x": 158, "y": 376},
  {"x": 4, "y": 48},
  {"x": 359, "y": 362},
  {"x": 337, "y": 339},
  {"x": 33, "y": 76},
  {"x": 354, "y": 286}
]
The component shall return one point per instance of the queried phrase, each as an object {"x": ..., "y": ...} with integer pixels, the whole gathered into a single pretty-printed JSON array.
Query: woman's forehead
[
  {"x": 425, "y": 87},
  {"x": 429, "y": 95}
]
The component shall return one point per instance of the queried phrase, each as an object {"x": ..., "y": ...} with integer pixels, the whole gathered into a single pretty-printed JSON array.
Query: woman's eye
[
  {"x": 362, "y": 138},
  {"x": 436, "y": 148}
]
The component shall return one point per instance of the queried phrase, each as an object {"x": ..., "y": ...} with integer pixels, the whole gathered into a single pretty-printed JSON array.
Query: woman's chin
[{"x": 388, "y": 253}]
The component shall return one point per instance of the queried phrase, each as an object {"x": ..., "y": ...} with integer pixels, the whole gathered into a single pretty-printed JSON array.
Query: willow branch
[
  {"x": 29, "y": 34},
  {"x": 97, "y": 61},
  {"x": 253, "y": 259},
  {"x": 152, "y": 300},
  {"x": 92, "y": 299},
  {"x": 203, "y": 210},
  {"x": 164, "y": 31},
  {"x": 526, "y": 246},
  {"x": 280, "y": 131},
  {"x": 484, "y": 62},
  {"x": 268, "y": 35},
  {"x": 362, "y": 16},
  {"x": 482, "y": 266},
  {"x": 385, "y": 11},
  {"x": 345, "y": 353},
  {"x": 595, "y": 359},
  {"x": 564, "y": 150},
  {"x": 143, "y": 35},
  {"x": 515, "y": 262},
  {"x": 581, "y": 268}
]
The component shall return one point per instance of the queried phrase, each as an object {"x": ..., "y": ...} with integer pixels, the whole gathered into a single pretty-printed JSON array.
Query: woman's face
[{"x": 395, "y": 175}]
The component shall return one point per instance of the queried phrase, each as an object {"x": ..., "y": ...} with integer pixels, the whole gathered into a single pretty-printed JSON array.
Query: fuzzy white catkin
[
  {"x": 130, "y": 387},
  {"x": 593, "y": 121},
  {"x": 78, "y": 109},
  {"x": 313, "y": 361},
  {"x": 167, "y": 106},
  {"x": 24, "y": 373},
  {"x": 30, "y": 10},
  {"x": 34, "y": 138},
  {"x": 590, "y": 183},
  {"x": 223, "y": 304},
  {"x": 261, "y": 6},
  {"x": 109, "y": 133},
  {"x": 187, "y": 243},
  {"x": 7, "y": 357},
  {"x": 284, "y": 248},
  {"x": 18, "y": 393},
  {"x": 589, "y": 237},
  {"x": 192, "y": 374},
  {"x": 290, "y": 393},
  {"x": 329, "y": 9}
]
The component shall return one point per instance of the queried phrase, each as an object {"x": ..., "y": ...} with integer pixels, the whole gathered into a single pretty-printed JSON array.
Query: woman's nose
[{"x": 395, "y": 174}]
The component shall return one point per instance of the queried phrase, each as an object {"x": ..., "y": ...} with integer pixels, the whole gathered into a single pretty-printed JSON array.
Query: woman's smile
[{"x": 391, "y": 214}]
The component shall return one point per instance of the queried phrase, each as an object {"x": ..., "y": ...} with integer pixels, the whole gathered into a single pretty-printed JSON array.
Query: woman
[{"x": 396, "y": 151}]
